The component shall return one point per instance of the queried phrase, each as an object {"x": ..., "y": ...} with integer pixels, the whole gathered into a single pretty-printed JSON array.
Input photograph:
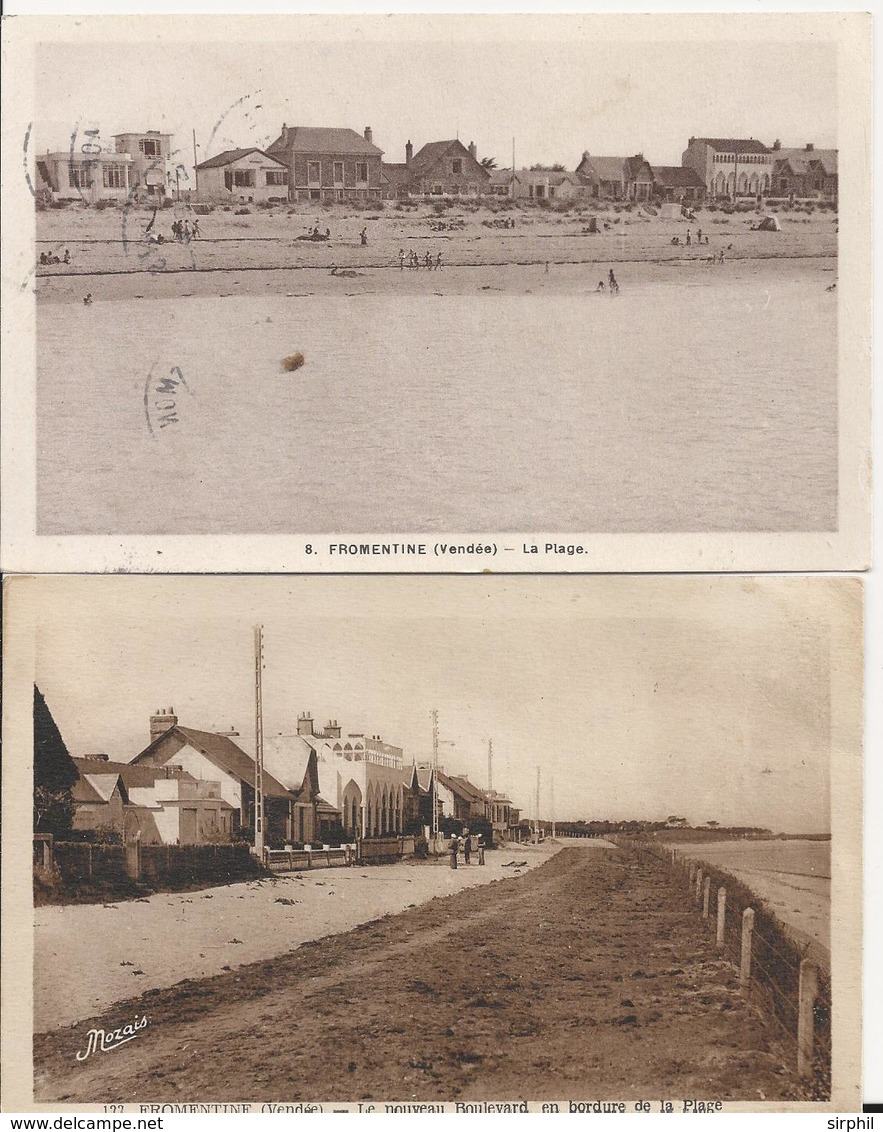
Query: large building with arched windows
[
  {"x": 359, "y": 775},
  {"x": 731, "y": 167}
]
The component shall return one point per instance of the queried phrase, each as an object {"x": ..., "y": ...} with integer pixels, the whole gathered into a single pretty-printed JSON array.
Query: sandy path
[
  {"x": 111, "y": 952},
  {"x": 590, "y": 977}
]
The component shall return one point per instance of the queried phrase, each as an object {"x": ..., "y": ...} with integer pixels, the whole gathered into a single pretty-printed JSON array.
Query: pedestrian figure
[
  {"x": 600, "y": 286},
  {"x": 88, "y": 299},
  {"x": 611, "y": 282},
  {"x": 688, "y": 238},
  {"x": 438, "y": 261},
  {"x": 327, "y": 233},
  {"x": 364, "y": 237},
  {"x": 194, "y": 235},
  {"x": 401, "y": 259},
  {"x": 699, "y": 235},
  {"x": 480, "y": 846},
  {"x": 67, "y": 256},
  {"x": 186, "y": 231},
  {"x": 467, "y": 846},
  {"x": 427, "y": 260},
  {"x": 547, "y": 267},
  {"x": 454, "y": 847}
]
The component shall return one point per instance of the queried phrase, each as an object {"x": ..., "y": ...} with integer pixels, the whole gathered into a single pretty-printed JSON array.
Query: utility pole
[
  {"x": 490, "y": 765},
  {"x": 552, "y": 804},
  {"x": 434, "y": 716},
  {"x": 195, "y": 164},
  {"x": 258, "y": 743},
  {"x": 537, "y": 810}
]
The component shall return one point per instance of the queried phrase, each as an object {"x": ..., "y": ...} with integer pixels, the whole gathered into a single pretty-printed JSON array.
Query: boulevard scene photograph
[
  {"x": 580, "y": 274},
  {"x": 509, "y": 841}
]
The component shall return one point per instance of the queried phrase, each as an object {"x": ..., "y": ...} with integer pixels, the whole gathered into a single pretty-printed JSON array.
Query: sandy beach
[
  {"x": 589, "y": 978},
  {"x": 110, "y": 951}
]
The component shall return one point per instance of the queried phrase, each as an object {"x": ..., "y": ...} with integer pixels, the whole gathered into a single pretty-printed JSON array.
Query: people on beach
[
  {"x": 611, "y": 282},
  {"x": 401, "y": 259},
  {"x": 195, "y": 234},
  {"x": 454, "y": 848},
  {"x": 600, "y": 286},
  {"x": 67, "y": 256},
  {"x": 479, "y": 844},
  {"x": 699, "y": 235},
  {"x": 363, "y": 236},
  {"x": 467, "y": 846},
  {"x": 438, "y": 262},
  {"x": 689, "y": 241},
  {"x": 186, "y": 233},
  {"x": 427, "y": 261},
  {"x": 88, "y": 299}
]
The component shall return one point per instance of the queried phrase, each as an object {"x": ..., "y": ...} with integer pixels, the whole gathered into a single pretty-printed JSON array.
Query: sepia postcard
[
  {"x": 460, "y": 844},
  {"x": 437, "y": 293}
]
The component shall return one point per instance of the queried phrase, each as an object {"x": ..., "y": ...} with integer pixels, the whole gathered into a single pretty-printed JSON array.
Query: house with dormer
[
  {"x": 438, "y": 169},
  {"x": 329, "y": 163}
]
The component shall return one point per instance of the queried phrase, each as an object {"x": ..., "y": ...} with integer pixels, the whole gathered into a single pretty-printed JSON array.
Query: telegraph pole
[
  {"x": 552, "y": 804},
  {"x": 258, "y": 744},
  {"x": 434, "y": 717},
  {"x": 537, "y": 811},
  {"x": 490, "y": 765}
]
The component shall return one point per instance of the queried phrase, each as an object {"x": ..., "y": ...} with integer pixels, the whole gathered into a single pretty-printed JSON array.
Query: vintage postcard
[
  {"x": 437, "y": 293},
  {"x": 432, "y": 844}
]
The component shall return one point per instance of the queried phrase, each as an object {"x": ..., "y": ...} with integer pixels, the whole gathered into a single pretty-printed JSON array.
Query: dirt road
[{"x": 586, "y": 978}]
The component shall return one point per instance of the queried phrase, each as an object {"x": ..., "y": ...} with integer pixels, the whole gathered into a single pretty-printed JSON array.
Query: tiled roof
[
  {"x": 604, "y": 168},
  {"x": 231, "y": 155},
  {"x": 427, "y": 156},
  {"x": 801, "y": 160},
  {"x": 397, "y": 174},
  {"x": 324, "y": 139},
  {"x": 678, "y": 176},
  {"x": 736, "y": 145},
  {"x": 132, "y": 774},
  {"x": 223, "y": 751}
]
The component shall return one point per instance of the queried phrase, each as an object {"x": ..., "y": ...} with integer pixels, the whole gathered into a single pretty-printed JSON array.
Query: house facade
[
  {"x": 677, "y": 184},
  {"x": 807, "y": 173},
  {"x": 638, "y": 178},
  {"x": 151, "y": 156},
  {"x": 438, "y": 169},
  {"x": 162, "y": 805},
  {"x": 359, "y": 776},
  {"x": 605, "y": 177},
  {"x": 242, "y": 175},
  {"x": 90, "y": 177},
  {"x": 213, "y": 757},
  {"x": 731, "y": 167},
  {"x": 536, "y": 184},
  {"x": 329, "y": 164}
]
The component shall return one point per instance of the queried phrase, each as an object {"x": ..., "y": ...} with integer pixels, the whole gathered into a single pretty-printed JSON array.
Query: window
[
  {"x": 277, "y": 176},
  {"x": 243, "y": 178},
  {"x": 457, "y": 165},
  {"x": 437, "y": 190},
  {"x": 80, "y": 177},
  {"x": 114, "y": 176},
  {"x": 150, "y": 147},
  {"x": 314, "y": 171},
  {"x": 362, "y": 171},
  {"x": 338, "y": 172}
]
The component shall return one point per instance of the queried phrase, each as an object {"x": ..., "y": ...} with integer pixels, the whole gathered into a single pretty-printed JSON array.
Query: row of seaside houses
[
  {"x": 326, "y": 164},
  {"x": 196, "y": 787}
]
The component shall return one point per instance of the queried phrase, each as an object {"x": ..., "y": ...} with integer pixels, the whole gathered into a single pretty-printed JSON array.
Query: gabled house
[
  {"x": 638, "y": 178},
  {"x": 807, "y": 172},
  {"x": 605, "y": 177},
  {"x": 212, "y": 756},
  {"x": 162, "y": 804},
  {"x": 418, "y": 795},
  {"x": 438, "y": 169},
  {"x": 329, "y": 164},
  {"x": 536, "y": 184},
  {"x": 242, "y": 175},
  {"x": 677, "y": 184}
]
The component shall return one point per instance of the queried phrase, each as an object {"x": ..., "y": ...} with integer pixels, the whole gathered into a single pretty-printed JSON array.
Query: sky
[
  {"x": 555, "y": 98},
  {"x": 636, "y": 697}
]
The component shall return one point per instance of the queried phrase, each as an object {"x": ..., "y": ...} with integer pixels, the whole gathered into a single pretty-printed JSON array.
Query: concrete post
[
  {"x": 721, "y": 916},
  {"x": 133, "y": 859},
  {"x": 691, "y": 875},
  {"x": 806, "y": 1000},
  {"x": 697, "y": 895},
  {"x": 706, "y": 897},
  {"x": 745, "y": 965}
]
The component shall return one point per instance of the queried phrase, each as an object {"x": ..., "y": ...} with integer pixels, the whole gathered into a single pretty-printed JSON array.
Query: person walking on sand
[
  {"x": 438, "y": 262},
  {"x": 427, "y": 261},
  {"x": 453, "y": 848},
  {"x": 699, "y": 236},
  {"x": 401, "y": 259},
  {"x": 194, "y": 235},
  {"x": 611, "y": 282},
  {"x": 363, "y": 236},
  {"x": 689, "y": 241},
  {"x": 186, "y": 231}
]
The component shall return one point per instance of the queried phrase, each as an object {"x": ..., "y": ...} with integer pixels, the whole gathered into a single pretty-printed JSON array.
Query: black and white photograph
[
  {"x": 421, "y": 292},
  {"x": 452, "y": 842}
]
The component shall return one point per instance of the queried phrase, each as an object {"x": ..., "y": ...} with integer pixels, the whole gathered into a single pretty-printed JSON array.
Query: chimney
[
  {"x": 305, "y": 724},
  {"x": 777, "y": 144},
  {"x": 690, "y": 142},
  {"x": 409, "y": 152},
  {"x": 369, "y": 135},
  {"x": 164, "y": 720},
  {"x": 810, "y": 147},
  {"x": 332, "y": 729},
  {"x": 473, "y": 151},
  {"x": 284, "y": 134}
]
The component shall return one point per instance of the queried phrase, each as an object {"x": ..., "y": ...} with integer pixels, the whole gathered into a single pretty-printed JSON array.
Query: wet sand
[{"x": 588, "y": 978}]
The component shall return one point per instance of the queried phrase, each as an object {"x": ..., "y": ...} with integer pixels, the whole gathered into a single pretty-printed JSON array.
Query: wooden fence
[{"x": 790, "y": 982}]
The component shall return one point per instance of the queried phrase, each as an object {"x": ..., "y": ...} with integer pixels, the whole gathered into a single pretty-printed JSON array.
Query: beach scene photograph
[
  {"x": 489, "y": 277},
  {"x": 467, "y": 842}
]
